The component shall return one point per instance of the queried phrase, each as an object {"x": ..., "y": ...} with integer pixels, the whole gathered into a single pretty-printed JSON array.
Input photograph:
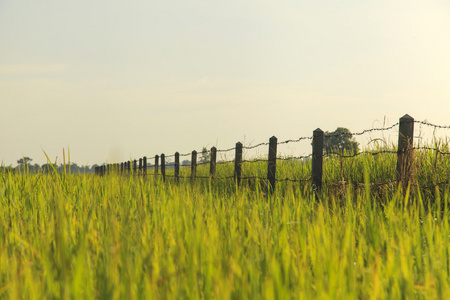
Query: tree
[
  {"x": 206, "y": 156},
  {"x": 48, "y": 168},
  {"x": 36, "y": 168},
  {"x": 24, "y": 164},
  {"x": 341, "y": 140},
  {"x": 24, "y": 161}
]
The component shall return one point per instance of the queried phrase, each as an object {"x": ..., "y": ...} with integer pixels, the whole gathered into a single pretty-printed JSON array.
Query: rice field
[{"x": 66, "y": 236}]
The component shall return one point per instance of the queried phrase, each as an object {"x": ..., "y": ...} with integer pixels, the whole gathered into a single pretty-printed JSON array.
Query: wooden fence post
[
  {"x": 134, "y": 166},
  {"x": 144, "y": 165},
  {"x": 129, "y": 167},
  {"x": 121, "y": 168},
  {"x": 317, "y": 160},
  {"x": 212, "y": 163},
  {"x": 177, "y": 167},
  {"x": 163, "y": 167},
  {"x": 140, "y": 166},
  {"x": 272, "y": 163},
  {"x": 238, "y": 163},
  {"x": 156, "y": 165},
  {"x": 405, "y": 150},
  {"x": 193, "y": 165}
]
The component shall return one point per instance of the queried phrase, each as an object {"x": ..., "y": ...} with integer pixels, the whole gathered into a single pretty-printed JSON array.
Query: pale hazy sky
[{"x": 118, "y": 79}]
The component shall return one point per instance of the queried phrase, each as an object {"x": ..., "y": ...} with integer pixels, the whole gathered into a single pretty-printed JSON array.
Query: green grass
[{"x": 85, "y": 236}]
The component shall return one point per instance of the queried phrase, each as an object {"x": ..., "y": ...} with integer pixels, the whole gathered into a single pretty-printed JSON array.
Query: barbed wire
[
  {"x": 225, "y": 150},
  {"x": 297, "y": 140},
  {"x": 295, "y": 157},
  {"x": 433, "y": 125},
  {"x": 328, "y": 154},
  {"x": 224, "y": 162},
  {"x": 255, "y": 160},
  {"x": 362, "y": 132},
  {"x": 432, "y": 149},
  {"x": 255, "y": 146}
]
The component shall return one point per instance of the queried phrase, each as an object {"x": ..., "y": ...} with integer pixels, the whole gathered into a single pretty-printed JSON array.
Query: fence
[{"x": 403, "y": 170}]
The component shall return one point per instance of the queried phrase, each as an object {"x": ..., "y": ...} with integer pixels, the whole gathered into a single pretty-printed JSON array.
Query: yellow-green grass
[{"x": 111, "y": 237}]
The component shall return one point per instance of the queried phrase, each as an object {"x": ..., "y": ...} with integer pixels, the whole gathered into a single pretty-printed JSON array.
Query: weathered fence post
[
  {"x": 121, "y": 168},
  {"x": 212, "y": 163},
  {"x": 163, "y": 167},
  {"x": 193, "y": 165},
  {"x": 238, "y": 163},
  {"x": 405, "y": 150},
  {"x": 134, "y": 166},
  {"x": 140, "y": 166},
  {"x": 156, "y": 165},
  {"x": 144, "y": 165},
  {"x": 317, "y": 160},
  {"x": 177, "y": 167},
  {"x": 129, "y": 167},
  {"x": 272, "y": 164}
]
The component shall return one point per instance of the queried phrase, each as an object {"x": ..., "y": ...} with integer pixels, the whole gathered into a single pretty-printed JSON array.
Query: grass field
[{"x": 83, "y": 236}]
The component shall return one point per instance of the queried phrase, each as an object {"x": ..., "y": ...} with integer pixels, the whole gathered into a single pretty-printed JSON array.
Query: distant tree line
[{"x": 25, "y": 164}]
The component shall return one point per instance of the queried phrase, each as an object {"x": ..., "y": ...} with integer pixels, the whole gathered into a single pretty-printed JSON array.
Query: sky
[{"x": 114, "y": 80}]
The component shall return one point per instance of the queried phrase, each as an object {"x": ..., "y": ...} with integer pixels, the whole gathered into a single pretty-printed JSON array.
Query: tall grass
[{"x": 82, "y": 236}]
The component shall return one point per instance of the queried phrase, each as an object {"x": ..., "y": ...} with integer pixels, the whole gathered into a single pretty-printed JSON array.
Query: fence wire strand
[
  {"x": 433, "y": 125},
  {"x": 362, "y": 132}
]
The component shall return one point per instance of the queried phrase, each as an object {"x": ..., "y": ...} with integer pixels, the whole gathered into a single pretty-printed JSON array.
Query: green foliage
[
  {"x": 111, "y": 237},
  {"x": 205, "y": 155},
  {"x": 340, "y": 141},
  {"x": 24, "y": 161}
]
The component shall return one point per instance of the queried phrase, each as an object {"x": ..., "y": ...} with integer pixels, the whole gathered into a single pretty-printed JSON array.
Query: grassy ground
[{"x": 85, "y": 236}]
